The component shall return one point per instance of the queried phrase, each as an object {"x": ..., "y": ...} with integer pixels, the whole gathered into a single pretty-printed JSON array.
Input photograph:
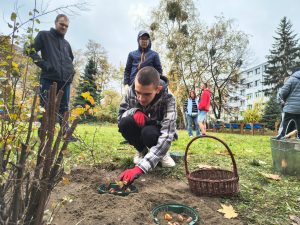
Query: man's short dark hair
[
  {"x": 148, "y": 75},
  {"x": 59, "y": 16}
]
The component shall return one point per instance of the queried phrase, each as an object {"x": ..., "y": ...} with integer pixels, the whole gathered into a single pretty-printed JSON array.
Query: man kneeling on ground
[{"x": 147, "y": 120}]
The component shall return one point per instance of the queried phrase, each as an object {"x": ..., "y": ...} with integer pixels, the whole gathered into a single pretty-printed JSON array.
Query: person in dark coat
[
  {"x": 290, "y": 94},
  {"x": 56, "y": 62},
  {"x": 140, "y": 58}
]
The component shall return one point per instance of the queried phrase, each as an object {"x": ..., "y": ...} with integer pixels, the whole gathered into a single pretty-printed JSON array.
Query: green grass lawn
[{"x": 260, "y": 201}]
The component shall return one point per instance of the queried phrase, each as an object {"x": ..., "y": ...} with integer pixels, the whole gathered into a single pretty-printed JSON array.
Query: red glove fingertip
[{"x": 121, "y": 177}]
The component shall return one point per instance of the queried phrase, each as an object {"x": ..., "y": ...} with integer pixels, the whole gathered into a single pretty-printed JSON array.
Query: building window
[
  {"x": 243, "y": 81},
  {"x": 249, "y": 106},
  {"x": 242, "y": 102},
  {"x": 249, "y": 73},
  {"x": 257, "y": 94},
  {"x": 249, "y": 85},
  {"x": 265, "y": 68},
  {"x": 242, "y": 92},
  {"x": 249, "y": 96},
  {"x": 257, "y": 71},
  {"x": 256, "y": 83}
]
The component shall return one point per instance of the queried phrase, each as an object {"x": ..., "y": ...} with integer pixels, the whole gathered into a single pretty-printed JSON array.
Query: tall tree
[
  {"x": 87, "y": 84},
  {"x": 104, "y": 71},
  {"x": 196, "y": 52},
  {"x": 284, "y": 56},
  {"x": 176, "y": 24},
  {"x": 272, "y": 112},
  {"x": 225, "y": 49}
]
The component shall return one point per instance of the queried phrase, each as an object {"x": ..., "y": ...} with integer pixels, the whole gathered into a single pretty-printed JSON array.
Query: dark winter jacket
[
  {"x": 162, "y": 112},
  {"x": 151, "y": 58},
  {"x": 290, "y": 94},
  {"x": 57, "y": 57}
]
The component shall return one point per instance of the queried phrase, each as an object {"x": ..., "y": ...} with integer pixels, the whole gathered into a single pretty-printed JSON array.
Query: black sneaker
[{"x": 279, "y": 137}]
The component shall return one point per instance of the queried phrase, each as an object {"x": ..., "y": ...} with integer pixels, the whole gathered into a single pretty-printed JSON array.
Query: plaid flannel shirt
[{"x": 163, "y": 111}]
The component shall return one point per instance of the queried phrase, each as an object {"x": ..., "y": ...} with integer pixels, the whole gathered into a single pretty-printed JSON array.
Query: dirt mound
[{"x": 90, "y": 208}]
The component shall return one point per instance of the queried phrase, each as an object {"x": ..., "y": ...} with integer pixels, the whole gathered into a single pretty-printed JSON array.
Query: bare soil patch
[{"x": 90, "y": 208}]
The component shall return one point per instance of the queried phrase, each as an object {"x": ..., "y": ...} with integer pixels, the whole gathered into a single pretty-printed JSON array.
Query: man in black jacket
[
  {"x": 140, "y": 58},
  {"x": 56, "y": 61}
]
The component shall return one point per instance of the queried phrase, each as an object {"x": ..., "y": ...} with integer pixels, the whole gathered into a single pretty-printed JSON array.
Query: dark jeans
[
  {"x": 192, "y": 120},
  {"x": 64, "y": 104},
  {"x": 137, "y": 136},
  {"x": 286, "y": 120}
]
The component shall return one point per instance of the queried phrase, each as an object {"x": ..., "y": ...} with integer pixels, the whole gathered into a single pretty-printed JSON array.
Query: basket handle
[
  {"x": 213, "y": 137},
  {"x": 288, "y": 126}
]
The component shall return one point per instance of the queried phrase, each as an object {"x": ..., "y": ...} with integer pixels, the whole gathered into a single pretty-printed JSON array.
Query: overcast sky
[{"x": 113, "y": 23}]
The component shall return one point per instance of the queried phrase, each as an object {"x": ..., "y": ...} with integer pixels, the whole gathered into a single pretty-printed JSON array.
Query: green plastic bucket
[
  {"x": 175, "y": 208},
  {"x": 286, "y": 156}
]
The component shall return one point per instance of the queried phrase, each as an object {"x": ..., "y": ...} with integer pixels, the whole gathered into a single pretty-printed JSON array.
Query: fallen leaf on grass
[
  {"x": 295, "y": 219},
  {"x": 271, "y": 176},
  {"x": 228, "y": 211},
  {"x": 203, "y": 166},
  {"x": 222, "y": 153}
]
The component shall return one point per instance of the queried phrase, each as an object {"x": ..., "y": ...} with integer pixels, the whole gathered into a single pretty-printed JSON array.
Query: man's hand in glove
[
  {"x": 139, "y": 118},
  {"x": 130, "y": 175}
]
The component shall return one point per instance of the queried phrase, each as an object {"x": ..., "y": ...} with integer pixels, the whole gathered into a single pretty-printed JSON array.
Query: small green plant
[{"x": 255, "y": 114}]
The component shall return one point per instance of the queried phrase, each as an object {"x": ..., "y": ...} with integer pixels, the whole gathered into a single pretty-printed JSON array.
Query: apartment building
[{"x": 249, "y": 91}]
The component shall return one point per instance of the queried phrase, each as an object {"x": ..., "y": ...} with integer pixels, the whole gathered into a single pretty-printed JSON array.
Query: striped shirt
[
  {"x": 194, "y": 107},
  {"x": 163, "y": 110}
]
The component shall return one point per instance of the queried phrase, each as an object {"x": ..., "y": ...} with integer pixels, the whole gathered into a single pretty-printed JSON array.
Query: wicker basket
[{"x": 212, "y": 181}]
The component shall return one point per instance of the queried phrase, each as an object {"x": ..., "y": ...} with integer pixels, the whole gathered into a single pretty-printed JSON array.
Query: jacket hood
[
  {"x": 296, "y": 74},
  {"x": 140, "y": 34},
  {"x": 164, "y": 82}
]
